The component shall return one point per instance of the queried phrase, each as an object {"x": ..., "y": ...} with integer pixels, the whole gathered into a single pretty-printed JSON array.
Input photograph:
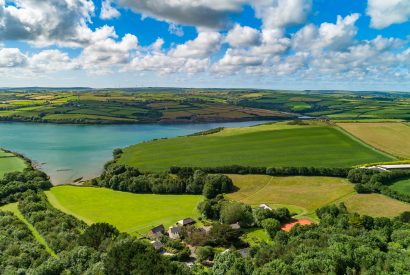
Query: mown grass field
[
  {"x": 390, "y": 137},
  {"x": 277, "y": 145},
  {"x": 13, "y": 207},
  {"x": 10, "y": 163},
  {"x": 402, "y": 186},
  {"x": 303, "y": 195},
  {"x": 128, "y": 212}
]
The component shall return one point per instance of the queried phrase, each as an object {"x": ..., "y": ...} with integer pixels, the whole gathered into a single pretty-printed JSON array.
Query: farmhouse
[
  {"x": 174, "y": 232},
  {"x": 187, "y": 221},
  {"x": 157, "y": 231}
]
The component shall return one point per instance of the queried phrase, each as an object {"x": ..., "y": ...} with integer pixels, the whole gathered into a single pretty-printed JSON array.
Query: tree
[
  {"x": 204, "y": 253},
  {"x": 222, "y": 234},
  {"x": 260, "y": 214},
  {"x": 97, "y": 233},
  {"x": 271, "y": 226},
  {"x": 236, "y": 212}
]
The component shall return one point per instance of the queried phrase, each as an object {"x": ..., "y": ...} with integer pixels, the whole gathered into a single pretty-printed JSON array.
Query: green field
[
  {"x": 13, "y": 207},
  {"x": 10, "y": 163},
  {"x": 303, "y": 195},
  {"x": 128, "y": 212},
  {"x": 277, "y": 145},
  {"x": 402, "y": 187}
]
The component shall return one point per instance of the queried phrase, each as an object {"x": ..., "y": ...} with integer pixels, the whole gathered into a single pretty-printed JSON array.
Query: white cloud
[
  {"x": 331, "y": 36},
  {"x": 176, "y": 30},
  {"x": 203, "y": 13},
  {"x": 108, "y": 11},
  {"x": 44, "y": 22},
  {"x": 384, "y": 13},
  {"x": 12, "y": 58},
  {"x": 281, "y": 13},
  {"x": 245, "y": 36},
  {"x": 206, "y": 43}
]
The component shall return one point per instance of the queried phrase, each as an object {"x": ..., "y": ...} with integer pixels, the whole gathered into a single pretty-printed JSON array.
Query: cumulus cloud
[
  {"x": 245, "y": 36},
  {"x": 12, "y": 58},
  {"x": 281, "y": 13},
  {"x": 331, "y": 36},
  {"x": 202, "y": 13},
  {"x": 206, "y": 43},
  {"x": 385, "y": 13},
  {"x": 44, "y": 22},
  {"x": 108, "y": 11},
  {"x": 176, "y": 30}
]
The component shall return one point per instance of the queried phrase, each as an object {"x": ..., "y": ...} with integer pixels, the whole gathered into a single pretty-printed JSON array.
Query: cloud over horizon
[{"x": 205, "y": 41}]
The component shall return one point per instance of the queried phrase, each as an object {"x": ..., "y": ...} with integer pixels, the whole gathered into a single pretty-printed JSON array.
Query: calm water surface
[{"x": 68, "y": 152}]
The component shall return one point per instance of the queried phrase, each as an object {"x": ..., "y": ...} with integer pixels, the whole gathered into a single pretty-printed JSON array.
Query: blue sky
[{"x": 275, "y": 44}]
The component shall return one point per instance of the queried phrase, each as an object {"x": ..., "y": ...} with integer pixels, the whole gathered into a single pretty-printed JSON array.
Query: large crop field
[
  {"x": 303, "y": 195},
  {"x": 402, "y": 187},
  {"x": 375, "y": 205},
  {"x": 10, "y": 163},
  {"x": 299, "y": 194},
  {"x": 277, "y": 144},
  {"x": 128, "y": 212},
  {"x": 393, "y": 138}
]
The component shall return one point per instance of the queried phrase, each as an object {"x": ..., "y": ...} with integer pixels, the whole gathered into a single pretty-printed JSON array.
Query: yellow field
[
  {"x": 376, "y": 205},
  {"x": 390, "y": 137},
  {"x": 308, "y": 193},
  {"x": 303, "y": 195}
]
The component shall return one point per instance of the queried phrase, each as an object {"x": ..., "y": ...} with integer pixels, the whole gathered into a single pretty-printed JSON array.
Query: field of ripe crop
[
  {"x": 390, "y": 137},
  {"x": 402, "y": 187},
  {"x": 128, "y": 212},
  {"x": 277, "y": 145},
  {"x": 310, "y": 193},
  {"x": 305, "y": 193},
  {"x": 375, "y": 205},
  {"x": 10, "y": 163}
]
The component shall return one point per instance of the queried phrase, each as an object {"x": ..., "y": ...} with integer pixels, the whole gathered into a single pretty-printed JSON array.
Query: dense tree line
[
  {"x": 19, "y": 252},
  {"x": 272, "y": 171},
  {"x": 12, "y": 185},
  {"x": 129, "y": 179},
  {"x": 373, "y": 181}
]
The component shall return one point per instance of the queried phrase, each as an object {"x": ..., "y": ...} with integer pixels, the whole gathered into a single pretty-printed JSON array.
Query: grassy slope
[
  {"x": 310, "y": 193},
  {"x": 267, "y": 145},
  {"x": 13, "y": 207},
  {"x": 402, "y": 187},
  {"x": 10, "y": 163},
  {"x": 393, "y": 138},
  {"x": 128, "y": 212}
]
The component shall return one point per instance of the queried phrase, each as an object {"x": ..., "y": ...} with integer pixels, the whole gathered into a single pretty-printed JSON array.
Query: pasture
[
  {"x": 402, "y": 187},
  {"x": 276, "y": 145},
  {"x": 390, "y": 137},
  {"x": 128, "y": 212},
  {"x": 10, "y": 163}
]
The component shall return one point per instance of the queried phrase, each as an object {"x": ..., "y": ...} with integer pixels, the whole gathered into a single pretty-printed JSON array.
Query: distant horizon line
[{"x": 208, "y": 88}]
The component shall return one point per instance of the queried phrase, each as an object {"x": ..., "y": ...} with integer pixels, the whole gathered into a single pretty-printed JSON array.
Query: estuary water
[{"x": 69, "y": 152}]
